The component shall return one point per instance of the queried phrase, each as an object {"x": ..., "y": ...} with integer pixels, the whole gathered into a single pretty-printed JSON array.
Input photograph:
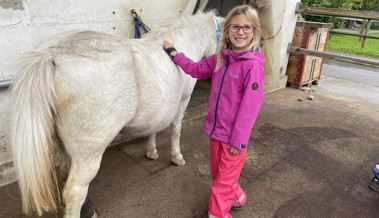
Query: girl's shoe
[
  {"x": 237, "y": 207},
  {"x": 374, "y": 185}
]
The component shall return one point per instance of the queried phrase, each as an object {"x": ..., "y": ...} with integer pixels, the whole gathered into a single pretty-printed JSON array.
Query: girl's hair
[{"x": 252, "y": 15}]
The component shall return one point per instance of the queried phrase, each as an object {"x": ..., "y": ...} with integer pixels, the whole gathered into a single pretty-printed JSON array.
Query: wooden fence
[
  {"x": 367, "y": 17},
  {"x": 364, "y": 15}
]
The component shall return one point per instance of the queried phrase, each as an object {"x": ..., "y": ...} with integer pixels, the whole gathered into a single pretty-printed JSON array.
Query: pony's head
[
  {"x": 218, "y": 27},
  {"x": 196, "y": 35}
]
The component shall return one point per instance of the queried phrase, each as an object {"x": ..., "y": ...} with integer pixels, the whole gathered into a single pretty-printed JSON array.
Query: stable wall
[
  {"x": 25, "y": 23},
  {"x": 278, "y": 20}
]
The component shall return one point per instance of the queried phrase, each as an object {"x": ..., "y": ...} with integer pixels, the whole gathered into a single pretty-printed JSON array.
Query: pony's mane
[{"x": 180, "y": 23}]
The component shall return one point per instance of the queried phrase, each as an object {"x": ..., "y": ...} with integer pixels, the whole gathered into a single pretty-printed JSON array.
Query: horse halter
[{"x": 218, "y": 33}]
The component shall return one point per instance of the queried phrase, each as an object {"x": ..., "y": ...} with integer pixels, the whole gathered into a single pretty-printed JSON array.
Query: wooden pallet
[{"x": 305, "y": 70}]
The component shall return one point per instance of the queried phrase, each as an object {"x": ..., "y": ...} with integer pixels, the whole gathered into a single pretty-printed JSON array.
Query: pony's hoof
[
  {"x": 179, "y": 160},
  {"x": 152, "y": 155},
  {"x": 87, "y": 210},
  {"x": 94, "y": 215}
]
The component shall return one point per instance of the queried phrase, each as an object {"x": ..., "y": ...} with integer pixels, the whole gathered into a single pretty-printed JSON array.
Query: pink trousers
[{"x": 226, "y": 169}]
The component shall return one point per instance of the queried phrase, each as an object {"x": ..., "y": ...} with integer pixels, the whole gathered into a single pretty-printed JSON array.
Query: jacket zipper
[{"x": 219, "y": 93}]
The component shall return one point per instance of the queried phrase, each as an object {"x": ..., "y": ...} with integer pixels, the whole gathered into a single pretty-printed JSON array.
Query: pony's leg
[
  {"x": 151, "y": 148},
  {"x": 87, "y": 211},
  {"x": 83, "y": 170},
  {"x": 176, "y": 156},
  {"x": 176, "y": 126},
  {"x": 63, "y": 161}
]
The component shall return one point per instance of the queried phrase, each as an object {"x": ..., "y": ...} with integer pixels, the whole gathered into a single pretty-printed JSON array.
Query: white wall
[
  {"x": 24, "y": 23},
  {"x": 278, "y": 20}
]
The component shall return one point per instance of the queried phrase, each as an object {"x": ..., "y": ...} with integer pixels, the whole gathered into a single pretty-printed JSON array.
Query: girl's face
[{"x": 240, "y": 32}]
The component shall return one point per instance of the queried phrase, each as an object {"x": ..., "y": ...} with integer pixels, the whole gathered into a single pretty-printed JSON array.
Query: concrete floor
[{"x": 305, "y": 159}]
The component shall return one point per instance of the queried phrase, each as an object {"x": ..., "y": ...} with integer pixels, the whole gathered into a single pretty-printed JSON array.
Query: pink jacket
[{"x": 236, "y": 95}]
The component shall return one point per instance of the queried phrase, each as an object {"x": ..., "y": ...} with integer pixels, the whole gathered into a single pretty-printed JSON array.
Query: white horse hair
[{"x": 71, "y": 97}]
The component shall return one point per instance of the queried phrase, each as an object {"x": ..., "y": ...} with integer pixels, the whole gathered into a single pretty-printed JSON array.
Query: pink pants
[{"x": 226, "y": 170}]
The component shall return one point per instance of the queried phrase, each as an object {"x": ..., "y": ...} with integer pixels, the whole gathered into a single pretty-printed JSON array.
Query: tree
[{"x": 365, "y": 5}]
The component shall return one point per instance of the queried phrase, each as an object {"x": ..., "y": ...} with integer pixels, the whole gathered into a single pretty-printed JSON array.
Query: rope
[
  {"x": 138, "y": 25},
  {"x": 218, "y": 33}
]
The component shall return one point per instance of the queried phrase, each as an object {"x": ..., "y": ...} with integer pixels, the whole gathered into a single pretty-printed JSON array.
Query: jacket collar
[{"x": 247, "y": 54}]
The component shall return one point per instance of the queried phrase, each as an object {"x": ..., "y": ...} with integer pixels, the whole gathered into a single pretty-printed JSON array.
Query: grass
[{"x": 352, "y": 45}]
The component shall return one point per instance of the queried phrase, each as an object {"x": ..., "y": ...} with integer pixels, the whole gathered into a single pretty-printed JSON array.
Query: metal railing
[{"x": 330, "y": 55}]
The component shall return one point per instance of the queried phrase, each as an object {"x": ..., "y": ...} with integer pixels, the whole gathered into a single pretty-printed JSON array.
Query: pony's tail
[{"x": 32, "y": 132}]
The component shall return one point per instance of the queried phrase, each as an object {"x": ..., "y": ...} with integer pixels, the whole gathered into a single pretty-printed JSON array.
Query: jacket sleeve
[
  {"x": 249, "y": 108},
  {"x": 201, "y": 70}
]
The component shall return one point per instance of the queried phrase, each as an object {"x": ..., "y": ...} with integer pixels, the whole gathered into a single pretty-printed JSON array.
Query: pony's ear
[{"x": 214, "y": 11}]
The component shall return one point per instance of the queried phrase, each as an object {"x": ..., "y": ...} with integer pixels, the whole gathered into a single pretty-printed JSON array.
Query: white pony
[{"x": 73, "y": 96}]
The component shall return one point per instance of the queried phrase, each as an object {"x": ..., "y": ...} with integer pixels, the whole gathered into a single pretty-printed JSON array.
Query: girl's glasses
[{"x": 234, "y": 28}]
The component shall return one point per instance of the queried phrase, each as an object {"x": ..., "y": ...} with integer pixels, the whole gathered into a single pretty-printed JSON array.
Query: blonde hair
[{"x": 252, "y": 15}]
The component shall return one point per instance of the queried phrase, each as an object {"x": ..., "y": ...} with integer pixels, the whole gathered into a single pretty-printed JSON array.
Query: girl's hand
[
  {"x": 234, "y": 151},
  {"x": 166, "y": 45}
]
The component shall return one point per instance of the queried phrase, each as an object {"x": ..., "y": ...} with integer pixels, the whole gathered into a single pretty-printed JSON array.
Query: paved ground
[{"x": 306, "y": 159}]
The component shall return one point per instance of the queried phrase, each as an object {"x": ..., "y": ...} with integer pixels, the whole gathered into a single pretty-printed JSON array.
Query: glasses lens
[
  {"x": 248, "y": 29},
  {"x": 234, "y": 28}
]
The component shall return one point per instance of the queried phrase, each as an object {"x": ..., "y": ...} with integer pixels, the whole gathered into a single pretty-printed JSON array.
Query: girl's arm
[{"x": 201, "y": 70}]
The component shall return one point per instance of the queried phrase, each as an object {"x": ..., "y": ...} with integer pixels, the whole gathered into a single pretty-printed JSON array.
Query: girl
[{"x": 234, "y": 103}]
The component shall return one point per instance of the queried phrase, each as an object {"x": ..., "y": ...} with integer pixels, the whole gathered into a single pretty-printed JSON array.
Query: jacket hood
[{"x": 251, "y": 54}]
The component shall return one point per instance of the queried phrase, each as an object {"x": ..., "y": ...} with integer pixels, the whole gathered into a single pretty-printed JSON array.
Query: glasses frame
[{"x": 240, "y": 27}]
